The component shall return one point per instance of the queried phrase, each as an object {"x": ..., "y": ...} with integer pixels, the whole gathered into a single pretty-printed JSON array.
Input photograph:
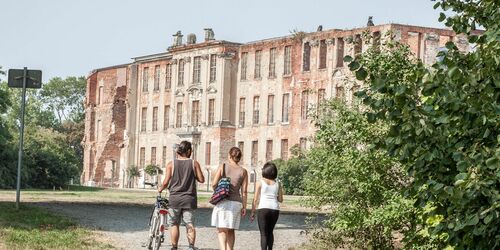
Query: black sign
[{"x": 33, "y": 78}]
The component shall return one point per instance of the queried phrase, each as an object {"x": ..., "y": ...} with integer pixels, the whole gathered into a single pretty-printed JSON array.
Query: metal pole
[
  {"x": 21, "y": 138},
  {"x": 112, "y": 172},
  {"x": 208, "y": 179},
  {"x": 254, "y": 180}
]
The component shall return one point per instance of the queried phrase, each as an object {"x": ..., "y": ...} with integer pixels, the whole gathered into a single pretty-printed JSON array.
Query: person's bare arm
[
  {"x": 168, "y": 176},
  {"x": 244, "y": 192},
  {"x": 217, "y": 177},
  {"x": 255, "y": 202},
  {"x": 280, "y": 192},
  {"x": 199, "y": 173}
]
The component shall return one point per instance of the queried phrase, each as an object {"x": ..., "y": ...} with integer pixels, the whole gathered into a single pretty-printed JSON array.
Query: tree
[
  {"x": 53, "y": 148},
  {"x": 360, "y": 184},
  {"x": 48, "y": 159},
  {"x": 444, "y": 127},
  {"x": 291, "y": 174},
  {"x": 132, "y": 173},
  {"x": 65, "y": 97},
  {"x": 7, "y": 154}
]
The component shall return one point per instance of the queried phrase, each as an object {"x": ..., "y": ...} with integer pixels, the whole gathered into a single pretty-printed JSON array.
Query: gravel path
[{"x": 126, "y": 226}]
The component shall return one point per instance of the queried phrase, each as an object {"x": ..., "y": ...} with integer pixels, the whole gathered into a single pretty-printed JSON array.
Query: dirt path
[{"x": 126, "y": 226}]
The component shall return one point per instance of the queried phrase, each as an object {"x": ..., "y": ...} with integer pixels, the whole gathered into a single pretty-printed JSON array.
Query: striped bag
[{"x": 222, "y": 190}]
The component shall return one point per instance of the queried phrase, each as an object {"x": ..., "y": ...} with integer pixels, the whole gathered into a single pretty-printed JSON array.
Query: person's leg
[
  {"x": 188, "y": 218},
  {"x": 261, "y": 220},
  {"x": 272, "y": 219},
  {"x": 230, "y": 239},
  {"x": 222, "y": 235},
  {"x": 173, "y": 220},
  {"x": 174, "y": 236}
]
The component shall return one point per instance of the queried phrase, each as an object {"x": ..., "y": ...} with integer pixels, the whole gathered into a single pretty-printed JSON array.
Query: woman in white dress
[{"x": 227, "y": 213}]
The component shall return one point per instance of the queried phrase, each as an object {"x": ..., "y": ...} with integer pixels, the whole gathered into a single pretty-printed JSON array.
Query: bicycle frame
[{"x": 157, "y": 223}]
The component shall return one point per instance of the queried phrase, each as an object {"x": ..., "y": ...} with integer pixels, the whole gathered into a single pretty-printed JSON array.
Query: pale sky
[{"x": 72, "y": 37}]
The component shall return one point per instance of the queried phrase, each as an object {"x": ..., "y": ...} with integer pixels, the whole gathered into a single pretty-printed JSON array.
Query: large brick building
[{"x": 219, "y": 94}]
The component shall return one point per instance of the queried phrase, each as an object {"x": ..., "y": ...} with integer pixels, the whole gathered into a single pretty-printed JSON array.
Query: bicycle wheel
[
  {"x": 157, "y": 236},
  {"x": 153, "y": 225}
]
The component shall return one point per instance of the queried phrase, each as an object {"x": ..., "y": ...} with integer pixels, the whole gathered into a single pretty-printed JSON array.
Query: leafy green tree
[
  {"x": 361, "y": 185},
  {"x": 52, "y": 146},
  {"x": 444, "y": 123},
  {"x": 291, "y": 174},
  {"x": 48, "y": 159},
  {"x": 132, "y": 173},
  {"x": 7, "y": 154},
  {"x": 65, "y": 97}
]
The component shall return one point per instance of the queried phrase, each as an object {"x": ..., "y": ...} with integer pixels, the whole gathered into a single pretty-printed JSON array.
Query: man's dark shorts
[{"x": 176, "y": 214}]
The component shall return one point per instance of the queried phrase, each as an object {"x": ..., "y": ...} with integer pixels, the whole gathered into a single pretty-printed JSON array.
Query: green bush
[
  {"x": 359, "y": 184},
  {"x": 291, "y": 174},
  {"x": 152, "y": 170}
]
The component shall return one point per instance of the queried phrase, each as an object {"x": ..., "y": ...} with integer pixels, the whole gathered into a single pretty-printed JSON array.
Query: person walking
[
  {"x": 268, "y": 195},
  {"x": 226, "y": 215},
  {"x": 180, "y": 178}
]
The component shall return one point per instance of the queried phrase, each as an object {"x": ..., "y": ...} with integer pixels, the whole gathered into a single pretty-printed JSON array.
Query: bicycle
[{"x": 157, "y": 221}]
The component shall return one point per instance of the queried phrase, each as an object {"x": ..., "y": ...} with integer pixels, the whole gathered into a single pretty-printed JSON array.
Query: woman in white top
[{"x": 268, "y": 194}]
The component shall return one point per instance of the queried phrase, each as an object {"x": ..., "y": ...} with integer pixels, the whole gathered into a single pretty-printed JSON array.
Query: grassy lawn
[
  {"x": 130, "y": 196},
  {"x": 35, "y": 228}
]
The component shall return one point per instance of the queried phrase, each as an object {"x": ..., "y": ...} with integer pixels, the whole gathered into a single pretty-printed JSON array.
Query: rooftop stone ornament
[
  {"x": 177, "y": 38},
  {"x": 209, "y": 34},
  {"x": 370, "y": 21}
]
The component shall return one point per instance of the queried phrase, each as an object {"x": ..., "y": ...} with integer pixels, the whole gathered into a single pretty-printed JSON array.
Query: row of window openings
[
  {"x": 180, "y": 73},
  {"x": 195, "y": 115},
  {"x": 285, "y": 112},
  {"x": 195, "y": 110},
  {"x": 208, "y": 152},
  {"x": 306, "y": 57},
  {"x": 254, "y": 159}
]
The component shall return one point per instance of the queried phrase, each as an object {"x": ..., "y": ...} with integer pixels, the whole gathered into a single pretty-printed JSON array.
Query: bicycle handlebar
[{"x": 155, "y": 184}]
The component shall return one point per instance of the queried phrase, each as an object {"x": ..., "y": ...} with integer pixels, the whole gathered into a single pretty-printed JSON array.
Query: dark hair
[
  {"x": 184, "y": 149},
  {"x": 269, "y": 171},
  {"x": 235, "y": 154}
]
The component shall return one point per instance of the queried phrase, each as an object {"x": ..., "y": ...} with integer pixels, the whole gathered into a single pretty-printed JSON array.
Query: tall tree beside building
[
  {"x": 54, "y": 128},
  {"x": 7, "y": 154}
]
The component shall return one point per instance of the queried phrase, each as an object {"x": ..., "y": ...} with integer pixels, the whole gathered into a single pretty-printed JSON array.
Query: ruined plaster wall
[
  {"x": 105, "y": 123},
  {"x": 88, "y": 151}
]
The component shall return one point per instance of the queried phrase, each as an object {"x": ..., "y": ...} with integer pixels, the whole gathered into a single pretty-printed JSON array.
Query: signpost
[{"x": 23, "y": 78}]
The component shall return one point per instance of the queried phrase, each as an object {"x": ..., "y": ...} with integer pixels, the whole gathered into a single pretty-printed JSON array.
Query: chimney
[{"x": 209, "y": 34}]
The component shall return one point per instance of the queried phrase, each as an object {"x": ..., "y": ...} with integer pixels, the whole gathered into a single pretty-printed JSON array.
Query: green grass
[{"x": 35, "y": 228}]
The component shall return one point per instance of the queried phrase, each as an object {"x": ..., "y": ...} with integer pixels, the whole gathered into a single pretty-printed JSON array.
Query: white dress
[{"x": 227, "y": 214}]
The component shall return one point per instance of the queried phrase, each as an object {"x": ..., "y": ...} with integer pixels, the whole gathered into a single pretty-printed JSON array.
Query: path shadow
[{"x": 133, "y": 218}]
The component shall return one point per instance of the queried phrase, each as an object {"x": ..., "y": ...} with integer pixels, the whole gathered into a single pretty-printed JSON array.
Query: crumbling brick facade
[{"x": 258, "y": 96}]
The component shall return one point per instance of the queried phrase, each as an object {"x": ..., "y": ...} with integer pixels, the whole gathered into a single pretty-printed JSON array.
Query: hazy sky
[{"x": 72, "y": 37}]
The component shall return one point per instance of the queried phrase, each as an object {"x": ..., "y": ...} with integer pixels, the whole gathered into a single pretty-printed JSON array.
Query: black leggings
[{"x": 267, "y": 219}]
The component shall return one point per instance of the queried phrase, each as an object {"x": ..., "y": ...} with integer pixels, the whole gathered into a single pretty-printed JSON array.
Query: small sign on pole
[{"x": 23, "y": 78}]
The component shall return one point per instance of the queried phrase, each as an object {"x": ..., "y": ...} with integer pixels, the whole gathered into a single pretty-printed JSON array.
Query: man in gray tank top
[{"x": 181, "y": 175}]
